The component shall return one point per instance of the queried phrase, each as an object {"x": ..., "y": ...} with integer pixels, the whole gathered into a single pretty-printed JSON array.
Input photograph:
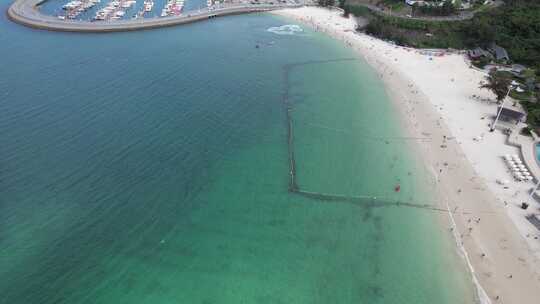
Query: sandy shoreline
[{"x": 432, "y": 94}]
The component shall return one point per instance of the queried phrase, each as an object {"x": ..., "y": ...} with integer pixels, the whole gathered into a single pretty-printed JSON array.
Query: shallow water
[{"x": 153, "y": 167}]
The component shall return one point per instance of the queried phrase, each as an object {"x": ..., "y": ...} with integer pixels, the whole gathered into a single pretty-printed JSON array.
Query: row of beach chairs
[{"x": 518, "y": 169}]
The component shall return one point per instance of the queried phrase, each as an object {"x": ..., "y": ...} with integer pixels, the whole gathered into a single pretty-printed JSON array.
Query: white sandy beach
[{"x": 434, "y": 95}]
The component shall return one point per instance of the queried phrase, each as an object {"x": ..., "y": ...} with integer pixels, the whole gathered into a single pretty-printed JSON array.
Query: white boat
[
  {"x": 72, "y": 5},
  {"x": 148, "y": 6},
  {"x": 100, "y": 15},
  {"x": 128, "y": 4}
]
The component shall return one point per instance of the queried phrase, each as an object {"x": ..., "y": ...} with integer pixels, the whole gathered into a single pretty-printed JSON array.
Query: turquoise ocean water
[{"x": 153, "y": 167}]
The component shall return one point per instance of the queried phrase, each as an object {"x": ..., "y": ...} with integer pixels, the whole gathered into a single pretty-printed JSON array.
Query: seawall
[{"x": 26, "y": 12}]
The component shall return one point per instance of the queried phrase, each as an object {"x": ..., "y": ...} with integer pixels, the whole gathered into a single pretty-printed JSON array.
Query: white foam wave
[{"x": 287, "y": 29}]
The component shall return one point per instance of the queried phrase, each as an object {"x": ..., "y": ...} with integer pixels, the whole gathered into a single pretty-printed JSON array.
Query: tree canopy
[
  {"x": 514, "y": 26},
  {"x": 326, "y": 3},
  {"x": 498, "y": 83}
]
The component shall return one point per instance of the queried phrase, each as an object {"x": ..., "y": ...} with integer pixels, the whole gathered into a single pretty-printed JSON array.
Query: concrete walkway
[{"x": 26, "y": 12}]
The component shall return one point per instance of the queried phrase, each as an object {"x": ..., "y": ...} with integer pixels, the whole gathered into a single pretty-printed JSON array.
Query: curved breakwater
[{"x": 25, "y": 12}]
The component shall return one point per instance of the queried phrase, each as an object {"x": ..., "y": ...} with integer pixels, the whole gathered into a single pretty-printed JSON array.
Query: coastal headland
[
  {"x": 26, "y": 12},
  {"x": 433, "y": 92}
]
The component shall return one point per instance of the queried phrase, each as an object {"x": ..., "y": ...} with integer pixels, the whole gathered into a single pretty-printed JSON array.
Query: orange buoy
[{"x": 397, "y": 188}]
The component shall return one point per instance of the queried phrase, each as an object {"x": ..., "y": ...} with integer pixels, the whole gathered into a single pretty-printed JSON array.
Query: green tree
[
  {"x": 530, "y": 80},
  {"x": 326, "y": 3},
  {"x": 498, "y": 83},
  {"x": 448, "y": 8},
  {"x": 346, "y": 11},
  {"x": 481, "y": 31}
]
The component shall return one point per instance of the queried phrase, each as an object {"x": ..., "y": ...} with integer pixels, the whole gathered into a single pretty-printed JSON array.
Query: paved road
[
  {"x": 462, "y": 15},
  {"x": 26, "y": 13}
]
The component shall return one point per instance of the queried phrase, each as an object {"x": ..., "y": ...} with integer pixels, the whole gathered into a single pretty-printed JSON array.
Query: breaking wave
[{"x": 288, "y": 29}]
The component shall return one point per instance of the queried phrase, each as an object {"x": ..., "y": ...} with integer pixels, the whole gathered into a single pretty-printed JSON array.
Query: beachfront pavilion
[{"x": 511, "y": 115}]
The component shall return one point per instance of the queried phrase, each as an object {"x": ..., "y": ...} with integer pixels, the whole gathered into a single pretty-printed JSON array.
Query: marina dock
[{"x": 26, "y": 12}]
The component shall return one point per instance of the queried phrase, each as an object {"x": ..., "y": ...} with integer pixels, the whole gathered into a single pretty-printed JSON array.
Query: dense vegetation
[
  {"x": 434, "y": 10},
  {"x": 514, "y": 26},
  {"x": 325, "y": 3}
]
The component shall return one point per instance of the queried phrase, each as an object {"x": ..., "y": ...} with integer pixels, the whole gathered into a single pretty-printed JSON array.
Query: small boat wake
[{"x": 287, "y": 29}]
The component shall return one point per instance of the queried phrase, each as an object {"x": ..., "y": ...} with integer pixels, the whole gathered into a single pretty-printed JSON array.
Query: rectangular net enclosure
[{"x": 357, "y": 152}]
